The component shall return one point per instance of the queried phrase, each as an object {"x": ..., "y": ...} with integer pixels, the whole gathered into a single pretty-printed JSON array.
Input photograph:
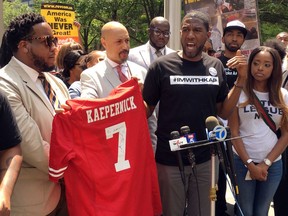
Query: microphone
[
  {"x": 185, "y": 131},
  {"x": 175, "y": 135},
  {"x": 190, "y": 137},
  {"x": 211, "y": 122},
  {"x": 221, "y": 133},
  {"x": 215, "y": 131},
  {"x": 233, "y": 176}
]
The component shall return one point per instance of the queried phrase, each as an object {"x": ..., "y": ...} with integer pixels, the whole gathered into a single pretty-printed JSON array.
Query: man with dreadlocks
[{"x": 27, "y": 52}]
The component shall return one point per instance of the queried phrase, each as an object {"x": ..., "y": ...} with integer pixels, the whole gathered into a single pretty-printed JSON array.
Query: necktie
[
  {"x": 122, "y": 77},
  {"x": 158, "y": 53},
  {"x": 49, "y": 92}
]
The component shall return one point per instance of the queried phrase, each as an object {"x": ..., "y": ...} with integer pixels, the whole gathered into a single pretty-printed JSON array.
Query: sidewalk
[{"x": 230, "y": 203}]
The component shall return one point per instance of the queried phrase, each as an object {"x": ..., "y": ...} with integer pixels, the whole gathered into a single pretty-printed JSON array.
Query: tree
[
  {"x": 273, "y": 17},
  {"x": 137, "y": 14},
  {"x": 134, "y": 14},
  {"x": 13, "y": 9}
]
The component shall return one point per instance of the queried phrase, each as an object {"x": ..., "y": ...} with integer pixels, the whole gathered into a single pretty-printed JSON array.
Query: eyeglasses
[
  {"x": 158, "y": 32},
  {"x": 49, "y": 40}
]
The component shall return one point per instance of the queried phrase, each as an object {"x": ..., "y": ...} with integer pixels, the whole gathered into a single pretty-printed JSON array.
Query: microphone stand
[
  {"x": 213, "y": 196},
  {"x": 225, "y": 157}
]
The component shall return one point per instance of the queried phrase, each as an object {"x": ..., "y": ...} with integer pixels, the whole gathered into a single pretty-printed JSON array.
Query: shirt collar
[
  {"x": 114, "y": 64},
  {"x": 153, "y": 50},
  {"x": 33, "y": 74}
]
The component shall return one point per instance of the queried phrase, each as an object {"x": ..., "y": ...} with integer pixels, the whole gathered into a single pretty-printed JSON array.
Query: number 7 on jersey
[{"x": 120, "y": 128}]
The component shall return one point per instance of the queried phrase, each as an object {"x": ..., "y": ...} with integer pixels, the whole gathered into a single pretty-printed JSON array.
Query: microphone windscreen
[
  {"x": 211, "y": 122},
  {"x": 174, "y": 135},
  {"x": 185, "y": 130}
]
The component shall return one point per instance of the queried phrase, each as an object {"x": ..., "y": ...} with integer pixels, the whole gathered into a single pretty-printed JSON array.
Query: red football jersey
[{"x": 102, "y": 148}]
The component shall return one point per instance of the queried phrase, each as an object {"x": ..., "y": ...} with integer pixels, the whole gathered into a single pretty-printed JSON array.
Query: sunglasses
[
  {"x": 157, "y": 32},
  {"x": 49, "y": 40}
]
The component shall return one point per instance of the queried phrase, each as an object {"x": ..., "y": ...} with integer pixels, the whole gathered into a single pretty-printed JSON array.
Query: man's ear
[
  {"x": 209, "y": 34},
  {"x": 103, "y": 42},
  {"x": 23, "y": 46}
]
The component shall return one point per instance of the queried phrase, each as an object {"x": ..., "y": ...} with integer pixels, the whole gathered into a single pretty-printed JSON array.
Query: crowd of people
[{"x": 179, "y": 88}]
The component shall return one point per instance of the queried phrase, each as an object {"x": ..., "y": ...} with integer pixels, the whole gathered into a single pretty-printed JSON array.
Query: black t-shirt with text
[{"x": 188, "y": 93}]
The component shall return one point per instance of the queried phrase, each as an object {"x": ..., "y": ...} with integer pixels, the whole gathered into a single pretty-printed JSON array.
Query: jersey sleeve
[{"x": 61, "y": 146}]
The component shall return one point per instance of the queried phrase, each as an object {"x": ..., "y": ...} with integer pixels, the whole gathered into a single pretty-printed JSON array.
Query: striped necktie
[
  {"x": 49, "y": 92},
  {"x": 158, "y": 53},
  {"x": 122, "y": 77}
]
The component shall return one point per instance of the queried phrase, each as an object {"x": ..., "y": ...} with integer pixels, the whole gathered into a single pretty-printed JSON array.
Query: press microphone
[
  {"x": 190, "y": 137},
  {"x": 231, "y": 160},
  {"x": 215, "y": 131},
  {"x": 211, "y": 122},
  {"x": 213, "y": 127},
  {"x": 174, "y": 135},
  {"x": 219, "y": 132},
  {"x": 185, "y": 131}
]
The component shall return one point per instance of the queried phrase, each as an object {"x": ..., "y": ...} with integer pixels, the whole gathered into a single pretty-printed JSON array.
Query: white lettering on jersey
[
  {"x": 105, "y": 112},
  {"x": 194, "y": 80},
  {"x": 122, "y": 163}
]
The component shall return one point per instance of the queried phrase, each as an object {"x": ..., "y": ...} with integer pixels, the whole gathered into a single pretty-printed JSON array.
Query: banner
[
  {"x": 61, "y": 18},
  {"x": 223, "y": 11}
]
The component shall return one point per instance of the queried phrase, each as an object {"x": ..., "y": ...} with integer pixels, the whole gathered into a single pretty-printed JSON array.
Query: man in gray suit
[
  {"x": 144, "y": 55},
  {"x": 28, "y": 49},
  {"x": 99, "y": 80},
  {"x": 159, "y": 34}
]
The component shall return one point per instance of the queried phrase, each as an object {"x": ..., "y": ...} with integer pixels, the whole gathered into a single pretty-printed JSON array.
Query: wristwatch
[
  {"x": 267, "y": 162},
  {"x": 249, "y": 161}
]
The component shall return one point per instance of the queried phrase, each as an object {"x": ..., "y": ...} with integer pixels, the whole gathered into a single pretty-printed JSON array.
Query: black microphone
[
  {"x": 176, "y": 135},
  {"x": 227, "y": 156},
  {"x": 185, "y": 131},
  {"x": 233, "y": 176}
]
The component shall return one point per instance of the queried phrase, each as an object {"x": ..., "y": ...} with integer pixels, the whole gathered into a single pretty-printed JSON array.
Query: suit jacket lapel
[
  {"x": 31, "y": 85},
  {"x": 111, "y": 75},
  {"x": 146, "y": 55}
]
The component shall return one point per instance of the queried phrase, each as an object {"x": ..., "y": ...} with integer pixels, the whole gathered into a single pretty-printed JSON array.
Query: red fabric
[{"x": 86, "y": 154}]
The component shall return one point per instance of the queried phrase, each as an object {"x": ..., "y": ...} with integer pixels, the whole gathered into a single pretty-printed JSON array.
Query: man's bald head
[
  {"x": 115, "y": 39},
  {"x": 159, "y": 20},
  {"x": 159, "y": 32},
  {"x": 111, "y": 27}
]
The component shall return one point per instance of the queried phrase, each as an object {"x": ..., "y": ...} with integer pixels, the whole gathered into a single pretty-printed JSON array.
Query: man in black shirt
[
  {"x": 233, "y": 38},
  {"x": 189, "y": 86}
]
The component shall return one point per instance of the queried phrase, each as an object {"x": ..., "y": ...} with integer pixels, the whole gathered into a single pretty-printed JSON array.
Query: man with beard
[
  {"x": 189, "y": 86},
  {"x": 28, "y": 49},
  {"x": 100, "y": 80},
  {"x": 144, "y": 55},
  {"x": 159, "y": 34},
  {"x": 233, "y": 37}
]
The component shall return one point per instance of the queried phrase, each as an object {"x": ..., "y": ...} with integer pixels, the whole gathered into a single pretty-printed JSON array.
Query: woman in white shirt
[{"x": 257, "y": 157}]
